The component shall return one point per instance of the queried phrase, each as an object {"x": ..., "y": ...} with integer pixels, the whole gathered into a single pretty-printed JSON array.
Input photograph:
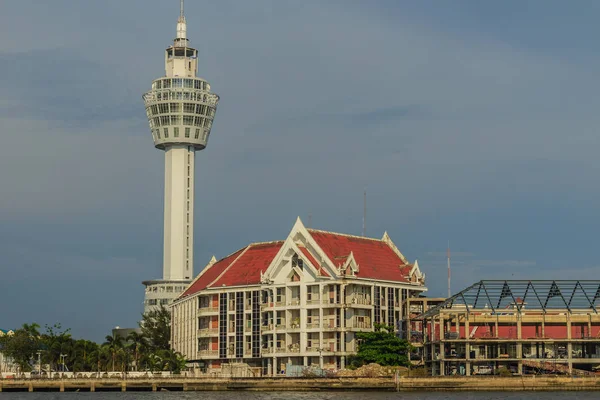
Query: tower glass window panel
[
  {"x": 166, "y": 132},
  {"x": 176, "y": 132},
  {"x": 197, "y": 135}
]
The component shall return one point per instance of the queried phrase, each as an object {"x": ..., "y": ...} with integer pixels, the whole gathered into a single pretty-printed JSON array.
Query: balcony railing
[
  {"x": 354, "y": 322},
  {"x": 208, "y": 331},
  {"x": 313, "y": 324},
  {"x": 294, "y": 302},
  {"x": 208, "y": 353},
  {"x": 313, "y": 301},
  {"x": 206, "y": 310},
  {"x": 329, "y": 323},
  {"x": 266, "y": 327}
]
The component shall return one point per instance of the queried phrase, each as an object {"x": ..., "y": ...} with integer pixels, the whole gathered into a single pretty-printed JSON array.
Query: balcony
[
  {"x": 313, "y": 301},
  {"x": 280, "y": 326},
  {"x": 330, "y": 323},
  {"x": 294, "y": 302},
  {"x": 208, "y": 331},
  {"x": 267, "y": 350},
  {"x": 208, "y": 310},
  {"x": 264, "y": 328},
  {"x": 358, "y": 300},
  {"x": 208, "y": 353},
  {"x": 314, "y": 323},
  {"x": 359, "y": 323}
]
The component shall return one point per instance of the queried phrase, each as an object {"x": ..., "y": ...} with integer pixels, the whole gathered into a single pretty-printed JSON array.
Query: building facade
[
  {"x": 522, "y": 327},
  {"x": 180, "y": 109},
  {"x": 299, "y": 301}
]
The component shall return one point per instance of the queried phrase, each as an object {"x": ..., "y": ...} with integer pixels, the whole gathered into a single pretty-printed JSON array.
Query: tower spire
[{"x": 181, "y": 24}]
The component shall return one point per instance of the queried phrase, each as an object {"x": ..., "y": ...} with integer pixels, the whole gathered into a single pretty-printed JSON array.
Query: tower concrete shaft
[{"x": 180, "y": 109}]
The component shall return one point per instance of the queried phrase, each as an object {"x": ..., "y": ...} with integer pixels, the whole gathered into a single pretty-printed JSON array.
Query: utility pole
[{"x": 448, "y": 254}]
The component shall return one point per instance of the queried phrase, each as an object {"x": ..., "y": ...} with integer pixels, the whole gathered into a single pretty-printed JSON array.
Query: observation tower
[{"x": 180, "y": 108}]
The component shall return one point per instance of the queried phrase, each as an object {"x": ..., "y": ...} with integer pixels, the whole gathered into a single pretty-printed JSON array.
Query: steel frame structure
[{"x": 544, "y": 295}]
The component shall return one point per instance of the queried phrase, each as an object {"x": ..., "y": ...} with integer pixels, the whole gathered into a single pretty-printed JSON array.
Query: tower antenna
[
  {"x": 448, "y": 254},
  {"x": 365, "y": 213},
  {"x": 181, "y": 10}
]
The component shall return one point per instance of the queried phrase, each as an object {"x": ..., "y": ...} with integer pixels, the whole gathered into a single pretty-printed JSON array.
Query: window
[
  {"x": 189, "y": 83},
  {"x": 166, "y": 83},
  {"x": 176, "y": 132},
  {"x": 166, "y": 132},
  {"x": 187, "y": 132},
  {"x": 163, "y": 302},
  {"x": 189, "y": 107},
  {"x": 188, "y": 120},
  {"x": 175, "y": 119},
  {"x": 197, "y": 134},
  {"x": 178, "y": 82},
  {"x": 197, "y": 84}
]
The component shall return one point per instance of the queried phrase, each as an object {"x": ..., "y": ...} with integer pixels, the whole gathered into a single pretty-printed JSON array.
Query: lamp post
[
  {"x": 62, "y": 358},
  {"x": 39, "y": 353}
]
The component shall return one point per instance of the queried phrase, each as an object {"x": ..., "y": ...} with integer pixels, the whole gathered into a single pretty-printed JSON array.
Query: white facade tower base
[{"x": 180, "y": 109}]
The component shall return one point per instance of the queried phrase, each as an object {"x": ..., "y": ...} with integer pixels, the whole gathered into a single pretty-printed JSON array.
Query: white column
[{"x": 179, "y": 212}]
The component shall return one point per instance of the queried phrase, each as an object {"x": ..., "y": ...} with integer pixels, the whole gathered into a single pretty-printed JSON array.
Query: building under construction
[{"x": 513, "y": 326}]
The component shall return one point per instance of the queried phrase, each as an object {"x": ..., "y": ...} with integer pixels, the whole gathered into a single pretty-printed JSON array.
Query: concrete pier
[{"x": 491, "y": 383}]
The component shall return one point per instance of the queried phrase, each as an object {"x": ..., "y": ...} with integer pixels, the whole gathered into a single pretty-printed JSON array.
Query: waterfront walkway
[{"x": 491, "y": 383}]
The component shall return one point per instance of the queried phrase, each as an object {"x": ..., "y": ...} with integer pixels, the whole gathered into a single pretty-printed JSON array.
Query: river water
[{"x": 303, "y": 395}]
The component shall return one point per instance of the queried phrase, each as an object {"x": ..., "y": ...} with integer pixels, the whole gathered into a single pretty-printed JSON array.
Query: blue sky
[{"x": 469, "y": 121}]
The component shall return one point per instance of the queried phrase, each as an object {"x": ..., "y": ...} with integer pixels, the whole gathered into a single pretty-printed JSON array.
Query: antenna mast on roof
[
  {"x": 448, "y": 254},
  {"x": 365, "y": 213},
  {"x": 181, "y": 9}
]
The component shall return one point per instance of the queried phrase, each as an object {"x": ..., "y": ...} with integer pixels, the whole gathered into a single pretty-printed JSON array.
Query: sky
[{"x": 469, "y": 122}]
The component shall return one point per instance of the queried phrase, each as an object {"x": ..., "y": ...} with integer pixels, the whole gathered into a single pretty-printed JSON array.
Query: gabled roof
[
  {"x": 375, "y": 258},
  {"x": 247, "y": 268},
  {"x": 306, "y": 254},
  {"x": 240, "y": 268}
]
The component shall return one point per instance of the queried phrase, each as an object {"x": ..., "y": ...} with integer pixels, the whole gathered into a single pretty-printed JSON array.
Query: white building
[
  {"x": 300, "y": 301},
  {"x": 180, "y": 109}
]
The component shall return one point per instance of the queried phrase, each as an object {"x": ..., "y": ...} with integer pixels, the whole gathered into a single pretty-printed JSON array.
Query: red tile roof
[
  {"x": 246, "y": 269},
  {"x": 313, "y": 261},
  {"x": 375, "y": 258},
  {"x": 211, "y": 273}
]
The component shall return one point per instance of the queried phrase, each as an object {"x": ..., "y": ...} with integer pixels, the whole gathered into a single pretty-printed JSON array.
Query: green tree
[
  {"x": 22, "y": 346},
  {"x": 114, "y": 344},
  {"x": 156, "y": 328},
  {"x": 172, "y": 361},
  {"x": 381, "y": 347},
  {"x": 137, "y": 344}
]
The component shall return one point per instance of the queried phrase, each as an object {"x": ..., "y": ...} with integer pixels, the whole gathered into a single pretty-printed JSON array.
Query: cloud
[{"x": 458, "y": 130}]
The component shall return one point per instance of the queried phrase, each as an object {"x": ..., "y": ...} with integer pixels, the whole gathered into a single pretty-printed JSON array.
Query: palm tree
[
  {"x": 137, "y": 342},
  {"x": 114, "y": 344}
]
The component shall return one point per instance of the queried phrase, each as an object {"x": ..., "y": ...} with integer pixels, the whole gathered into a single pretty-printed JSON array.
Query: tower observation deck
[{"x": 180, "y": 109}]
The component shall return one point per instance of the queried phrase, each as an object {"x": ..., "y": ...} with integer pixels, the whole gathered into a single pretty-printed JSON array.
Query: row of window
[
  {"x": 162, "y": 289},
  {"x": 168, "y": 120},
  {"x": 183, "y": 95},
  {"x": 176, "y": 108},
  {"x": 187, "y": 134},
  {"x": 155, "y": 302},
  {"x": 168, "y": 83}
]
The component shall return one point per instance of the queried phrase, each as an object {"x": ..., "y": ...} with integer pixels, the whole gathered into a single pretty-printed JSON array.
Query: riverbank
[{"x": 527, "y": 383}]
